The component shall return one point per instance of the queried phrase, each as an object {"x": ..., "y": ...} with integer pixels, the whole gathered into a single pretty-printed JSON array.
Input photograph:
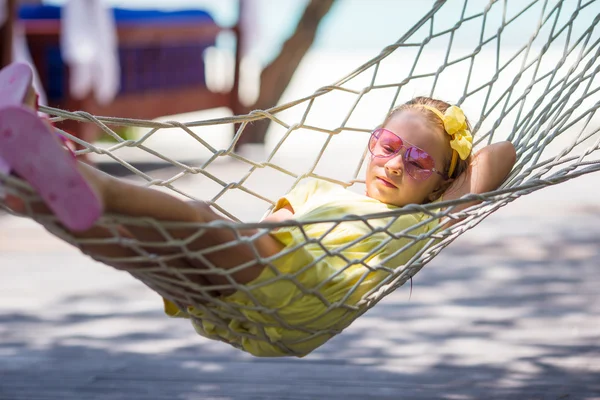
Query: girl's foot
[{"x": 35, "y": 153}]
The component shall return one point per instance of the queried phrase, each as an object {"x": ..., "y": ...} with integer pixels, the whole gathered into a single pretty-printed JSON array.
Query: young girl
[{"x": 291, "y": 293}]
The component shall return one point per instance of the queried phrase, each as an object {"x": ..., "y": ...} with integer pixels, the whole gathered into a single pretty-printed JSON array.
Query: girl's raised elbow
[
  {"x": 498, "y": 158},
  {"x": 504, "y": 158},
  {"x": 507, "y": 153}
]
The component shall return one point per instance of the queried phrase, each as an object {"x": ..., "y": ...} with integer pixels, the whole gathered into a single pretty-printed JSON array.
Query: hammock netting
[{"x": 523, "y": 71}]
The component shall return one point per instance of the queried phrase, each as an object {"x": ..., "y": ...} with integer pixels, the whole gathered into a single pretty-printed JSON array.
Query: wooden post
[
  {"x": 235, "y": 104},
  {"x": 6, "y": 33},
  {"x": 276, "y": 76}
]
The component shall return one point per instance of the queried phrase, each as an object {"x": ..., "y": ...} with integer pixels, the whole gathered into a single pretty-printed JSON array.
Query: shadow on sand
[{"x": 513, "y": 315}]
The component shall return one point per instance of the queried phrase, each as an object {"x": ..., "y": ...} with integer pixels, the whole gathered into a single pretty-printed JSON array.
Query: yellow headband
[{"x": 455, "y": 125}]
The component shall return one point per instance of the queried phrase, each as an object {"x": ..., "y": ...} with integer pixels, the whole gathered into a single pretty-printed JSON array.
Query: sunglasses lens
[
  {"x": 384, "y": 143},
  {"x": 418, "y": 163}
]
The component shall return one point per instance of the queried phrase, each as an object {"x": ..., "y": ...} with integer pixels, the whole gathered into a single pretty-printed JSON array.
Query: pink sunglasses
[{"x": 417, "y": 162}]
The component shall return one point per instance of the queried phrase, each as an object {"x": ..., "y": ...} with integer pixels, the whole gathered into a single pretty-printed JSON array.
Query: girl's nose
[{"x": 394, "y": 165}]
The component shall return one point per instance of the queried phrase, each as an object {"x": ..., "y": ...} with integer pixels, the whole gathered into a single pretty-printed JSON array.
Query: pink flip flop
[
  {"x": 35, "y": 153},
  {"x": 15, "y": 81}
]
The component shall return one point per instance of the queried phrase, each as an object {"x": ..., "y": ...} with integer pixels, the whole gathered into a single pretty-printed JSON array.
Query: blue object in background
[
  {"x": 46, "y": 12},
  {"x": 144, "y": 67}
]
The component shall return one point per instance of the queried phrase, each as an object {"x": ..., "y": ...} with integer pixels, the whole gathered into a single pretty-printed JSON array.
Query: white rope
[{"x": 542, "y": 94}]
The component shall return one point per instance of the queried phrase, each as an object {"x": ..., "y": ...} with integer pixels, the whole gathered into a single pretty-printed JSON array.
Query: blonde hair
[{"x": 417, "y": 104}]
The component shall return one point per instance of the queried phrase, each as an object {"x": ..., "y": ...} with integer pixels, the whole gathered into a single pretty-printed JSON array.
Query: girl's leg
[
  {"x": 98, "y": 243},
  {"x": 121, "y": 197},
  {"x": 95, "y": 241}
]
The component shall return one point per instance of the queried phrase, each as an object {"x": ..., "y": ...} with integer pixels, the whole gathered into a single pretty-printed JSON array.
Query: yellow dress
[{"x": 307, "y": 281}]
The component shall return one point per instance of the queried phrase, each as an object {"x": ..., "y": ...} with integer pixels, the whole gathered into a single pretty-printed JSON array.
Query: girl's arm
[{"x": 488, "y": 169}]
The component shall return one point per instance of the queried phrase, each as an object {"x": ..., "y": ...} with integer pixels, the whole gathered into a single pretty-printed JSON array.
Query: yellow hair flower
[
  {"x": 454, "y": 120},
  {"x": 455, "y": 125},
  {"x": 462, "y": 142}
]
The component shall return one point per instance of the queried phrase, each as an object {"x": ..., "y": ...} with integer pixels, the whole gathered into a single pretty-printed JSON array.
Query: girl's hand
[
  {"x": 283, "y": 214},
  {"x": 488, "y": 169}
]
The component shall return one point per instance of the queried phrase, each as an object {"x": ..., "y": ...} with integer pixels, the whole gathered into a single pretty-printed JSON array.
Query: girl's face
[{"x": 386, "y": 178}]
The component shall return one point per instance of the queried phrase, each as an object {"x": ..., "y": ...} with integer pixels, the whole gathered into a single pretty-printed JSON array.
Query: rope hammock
[{"x": 525, "y": 71}]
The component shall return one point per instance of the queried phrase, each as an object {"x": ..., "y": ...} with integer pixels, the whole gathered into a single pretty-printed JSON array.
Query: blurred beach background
[
  {"x": 352, "y": 33},
  {"x": 510, "y": 310}
]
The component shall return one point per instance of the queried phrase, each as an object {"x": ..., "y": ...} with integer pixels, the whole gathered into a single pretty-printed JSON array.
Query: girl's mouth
[{"x": 386, "y": 182}]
